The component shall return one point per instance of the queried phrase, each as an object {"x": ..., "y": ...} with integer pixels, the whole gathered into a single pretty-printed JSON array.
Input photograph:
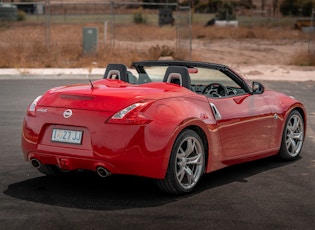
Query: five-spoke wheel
[
  {"x": 187, "y": 163},
  {"x": 293, "y": 137}
]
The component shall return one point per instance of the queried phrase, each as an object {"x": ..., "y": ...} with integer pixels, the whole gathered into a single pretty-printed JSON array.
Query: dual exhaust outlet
[
  {"x": 100, "y": 170},
  {"x": 35, "y": 163},
  {"x": 103, "y": 172}
]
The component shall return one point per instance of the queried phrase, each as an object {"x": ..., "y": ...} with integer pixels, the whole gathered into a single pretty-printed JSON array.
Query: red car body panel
[
  {"x": 247, "y": 129},
  {"x": 103, "y": 144}
]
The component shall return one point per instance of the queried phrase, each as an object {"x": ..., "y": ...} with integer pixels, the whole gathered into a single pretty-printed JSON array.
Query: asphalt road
[{"x": 265, "y": 194}]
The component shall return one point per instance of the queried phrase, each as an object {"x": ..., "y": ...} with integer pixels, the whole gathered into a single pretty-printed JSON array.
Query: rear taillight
[
  {"x": 31, "y": 111},
  {"x": 131, "y": 115}
]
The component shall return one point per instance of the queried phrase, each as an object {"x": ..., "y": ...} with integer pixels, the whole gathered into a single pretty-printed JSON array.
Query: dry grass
[
  {"x": 268, "y": 33},
  {"x": 303, "y": 58},
  {"x": 24, "y": 45}
]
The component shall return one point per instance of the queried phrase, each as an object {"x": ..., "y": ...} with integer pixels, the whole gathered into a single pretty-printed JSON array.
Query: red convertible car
[{"x": 171, "y": 121}]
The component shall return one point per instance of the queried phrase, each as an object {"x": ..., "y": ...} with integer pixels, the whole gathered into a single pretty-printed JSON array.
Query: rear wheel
[
  {"x": 186, "y": 165},
  {"x": 292, "y": 137}
]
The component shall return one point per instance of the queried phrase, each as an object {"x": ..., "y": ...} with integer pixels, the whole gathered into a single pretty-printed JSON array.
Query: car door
[{"x": 244, "y": 123}]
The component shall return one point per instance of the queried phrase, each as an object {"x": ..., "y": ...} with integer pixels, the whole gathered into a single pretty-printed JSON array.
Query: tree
[
  {"x": 307, "y": 8},
  {"x": 226, "y": 12},
  {"x": 289, "y": 7}
]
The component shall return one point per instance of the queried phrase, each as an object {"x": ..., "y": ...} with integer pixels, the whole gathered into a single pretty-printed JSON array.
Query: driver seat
[{"x": 178, "y": 75}]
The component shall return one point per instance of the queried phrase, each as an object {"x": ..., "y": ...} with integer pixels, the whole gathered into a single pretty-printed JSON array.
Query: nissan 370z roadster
[{"x": 171, "y": 121}]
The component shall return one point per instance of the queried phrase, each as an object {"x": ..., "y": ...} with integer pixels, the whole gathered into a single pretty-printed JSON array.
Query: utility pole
[{"x": 47, "y": 17}]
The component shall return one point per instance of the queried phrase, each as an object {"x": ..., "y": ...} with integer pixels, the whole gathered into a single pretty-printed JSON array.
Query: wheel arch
[
  {"x": 299, "y": 108},
  {"x": 295, "y": 107},
  {"x": 170, "y": 182},
  {"x": 204, "y": 139},
  {"x": 303, "y": 114},
  {"x": 200, "y": 128},
  {"x": 284, "y": 153}
]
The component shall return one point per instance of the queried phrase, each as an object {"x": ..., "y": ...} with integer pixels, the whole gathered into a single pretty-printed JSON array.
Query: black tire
[
  {"x": 292, "y": 137},
  {"x": 51, "y": 170},
  {"x": 186, "y": 165}
]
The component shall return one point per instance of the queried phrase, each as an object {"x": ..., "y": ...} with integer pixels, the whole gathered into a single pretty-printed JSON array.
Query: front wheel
[
  {"x": 292, "y": 137},
  {"x": 186, "y": 165}
]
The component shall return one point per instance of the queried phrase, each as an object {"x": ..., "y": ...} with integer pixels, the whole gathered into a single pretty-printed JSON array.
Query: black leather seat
[
  {"x": 177, "y": 75},
  {"x": 116, "y": 71}
]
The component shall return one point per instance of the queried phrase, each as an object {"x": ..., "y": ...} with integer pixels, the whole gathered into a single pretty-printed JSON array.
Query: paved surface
[{"x": 265, "y": 194}]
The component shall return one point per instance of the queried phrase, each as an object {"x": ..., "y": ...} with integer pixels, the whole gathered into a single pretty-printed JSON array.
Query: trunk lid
[{"x": 108, "y": 95}]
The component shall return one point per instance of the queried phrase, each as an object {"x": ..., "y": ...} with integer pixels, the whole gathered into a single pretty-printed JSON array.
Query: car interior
[{"x": 205, "y": 81}]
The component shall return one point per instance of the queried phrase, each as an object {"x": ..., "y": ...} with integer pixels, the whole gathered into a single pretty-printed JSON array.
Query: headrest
[
  {"x": 116, "y": 71},
  {"x": 177, "y": 75}
]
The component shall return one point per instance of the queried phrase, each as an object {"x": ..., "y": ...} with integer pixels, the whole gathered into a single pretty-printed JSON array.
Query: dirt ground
[
  {"x": 258, "y": 58},
  {"x": 248, "y": 52},
  {"x": 253, "y": 58},
  {"x": 234, "y": 52}
]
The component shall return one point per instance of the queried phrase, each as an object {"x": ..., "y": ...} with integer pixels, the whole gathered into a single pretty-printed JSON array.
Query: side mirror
[{"x": 257, "y": 88}]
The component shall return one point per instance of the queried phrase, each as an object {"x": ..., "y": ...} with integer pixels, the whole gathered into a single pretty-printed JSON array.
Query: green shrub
[
  {"x": 297, "y": 7},
  {"x": 226, "y": 12},
  {"x": 139, "y": 18},
  {"x": 307, "y": 8},
  {"x": 21, "y": 15}
]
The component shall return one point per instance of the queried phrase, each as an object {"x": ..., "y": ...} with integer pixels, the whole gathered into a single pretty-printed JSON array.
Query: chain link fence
[
  {"x": 111, "y": 13},
  {"x": 61, "y": 33}
]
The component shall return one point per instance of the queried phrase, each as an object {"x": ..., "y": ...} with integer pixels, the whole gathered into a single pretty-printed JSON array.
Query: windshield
[{"x": 211, "y": 80}]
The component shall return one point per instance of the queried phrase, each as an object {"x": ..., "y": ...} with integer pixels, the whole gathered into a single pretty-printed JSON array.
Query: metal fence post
[
  {"x": 47, "y": 19},
  {"x": 312, "y": 32},
  {"x": 112, "y": 11},
  {"x": 183, "y": 30}
]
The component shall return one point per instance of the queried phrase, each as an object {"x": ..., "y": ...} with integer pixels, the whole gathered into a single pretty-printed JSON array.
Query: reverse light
[
  {"x": 131, "y": 115},
  {"x": 32, "y": 108}
]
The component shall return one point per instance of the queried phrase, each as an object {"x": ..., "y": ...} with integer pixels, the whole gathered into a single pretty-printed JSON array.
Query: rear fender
[{"x": 209, "y": 136}]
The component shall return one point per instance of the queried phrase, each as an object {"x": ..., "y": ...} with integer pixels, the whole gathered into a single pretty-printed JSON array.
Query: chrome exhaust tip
[
  {"x": 35, "y": 163},
  {"x": 102, "y": 172}
]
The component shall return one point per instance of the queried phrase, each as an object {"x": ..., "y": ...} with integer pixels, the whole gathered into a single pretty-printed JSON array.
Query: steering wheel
[{"x": 215, "y": 90}]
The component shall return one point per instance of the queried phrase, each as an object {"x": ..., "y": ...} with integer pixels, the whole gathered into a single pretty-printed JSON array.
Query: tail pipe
[
  {"x": 35, "y": 163},
  {"x": 103, "y": 172}
]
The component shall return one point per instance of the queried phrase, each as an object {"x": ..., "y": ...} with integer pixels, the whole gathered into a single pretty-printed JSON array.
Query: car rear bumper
[
  {"x": 118, "y": 156},
  {"x": 118, "y": 165}
]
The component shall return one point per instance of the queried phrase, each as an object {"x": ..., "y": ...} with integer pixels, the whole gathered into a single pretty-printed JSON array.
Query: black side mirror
[{"x": 257, "y": 88}]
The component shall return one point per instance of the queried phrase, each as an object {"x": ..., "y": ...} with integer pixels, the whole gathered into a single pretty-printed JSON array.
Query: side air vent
[{"x": 216, "y": 112}]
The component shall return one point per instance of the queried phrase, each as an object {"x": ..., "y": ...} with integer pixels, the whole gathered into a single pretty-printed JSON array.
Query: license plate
[{"x": 67, "y": 136}]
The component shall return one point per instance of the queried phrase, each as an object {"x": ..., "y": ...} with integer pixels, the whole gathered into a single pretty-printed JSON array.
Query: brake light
[
  {"x": 32, "y": 108},
  {"x": 131, "y": 115}
]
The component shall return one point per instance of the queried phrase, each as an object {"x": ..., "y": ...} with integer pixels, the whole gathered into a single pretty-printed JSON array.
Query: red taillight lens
[
  {"x": 31, "y": 111},
  {"x": 131, "y": 115}
]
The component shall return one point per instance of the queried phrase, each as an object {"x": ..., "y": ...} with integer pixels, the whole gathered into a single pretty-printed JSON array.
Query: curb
[{"x": 51, "y": 73}]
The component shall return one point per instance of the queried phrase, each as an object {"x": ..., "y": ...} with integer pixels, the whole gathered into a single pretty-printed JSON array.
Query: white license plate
[{"x": 67, "y": 136}]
